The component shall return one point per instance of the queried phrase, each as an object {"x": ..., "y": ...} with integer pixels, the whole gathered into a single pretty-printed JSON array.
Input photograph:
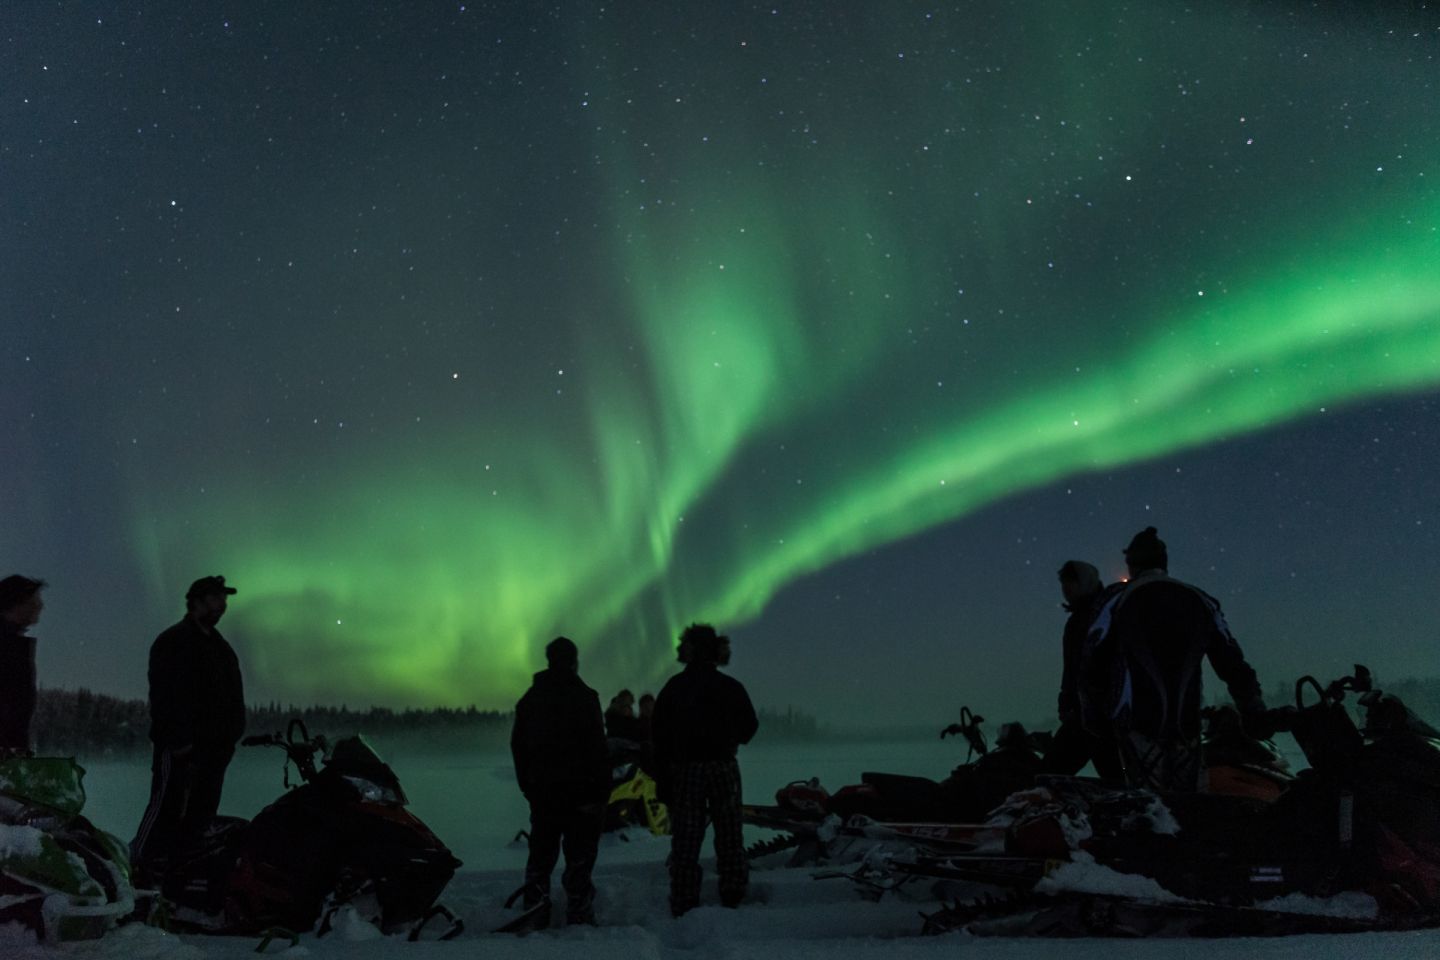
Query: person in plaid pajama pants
[{"x": 701, "y": 717}]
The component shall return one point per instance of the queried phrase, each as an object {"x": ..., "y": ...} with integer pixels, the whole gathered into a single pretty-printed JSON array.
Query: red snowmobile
[{"x": 341, "y": 836}]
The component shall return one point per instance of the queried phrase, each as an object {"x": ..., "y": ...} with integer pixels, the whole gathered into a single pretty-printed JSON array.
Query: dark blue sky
[{"x": 439, "y": 329}]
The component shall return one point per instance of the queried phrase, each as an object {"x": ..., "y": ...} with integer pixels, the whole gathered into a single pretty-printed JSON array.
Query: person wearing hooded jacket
[
  {"x": 1073, "y": 744},
  {"x": 197, "y": 716},
  {"x": 561, "y": 762},
  {"x": 1143, "y": 670},
  {"x": 701, "y": 718},
  {"x": 20, "y": 606}
]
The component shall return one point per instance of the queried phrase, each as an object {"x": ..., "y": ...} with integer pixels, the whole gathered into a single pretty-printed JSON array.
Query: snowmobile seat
[{"x": 905, "y": 798}]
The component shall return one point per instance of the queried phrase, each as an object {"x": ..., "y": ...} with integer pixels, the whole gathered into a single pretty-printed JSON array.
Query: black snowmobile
[
  {"x": 950, "y": 815},
  {"x": 890, "y": 806},
  {"x": 1352, "y": 844},
  {"x": 339, "y": 837}
]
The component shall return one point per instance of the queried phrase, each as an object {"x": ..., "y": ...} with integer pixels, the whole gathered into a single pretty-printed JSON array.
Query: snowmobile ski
[{"x": 529, "y": 920}]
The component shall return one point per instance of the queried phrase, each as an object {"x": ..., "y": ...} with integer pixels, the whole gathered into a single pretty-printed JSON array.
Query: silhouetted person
[
  {"x": 20, "y": 606},
  {"x": 1072, "y": 746},
  {"x": 558, "y": 744},
  {"x": 620, "y": 720},
  {"x": 197, "y": 715},
  {"x": 646, "y": 717},
  {"x": 1144, "y": 654},
  {"x": 701, "y": 718}
]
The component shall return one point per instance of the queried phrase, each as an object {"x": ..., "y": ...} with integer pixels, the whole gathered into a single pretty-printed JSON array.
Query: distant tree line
[
  {"x": 84, "y": 723},
  {"x": 789, "y": 724}
]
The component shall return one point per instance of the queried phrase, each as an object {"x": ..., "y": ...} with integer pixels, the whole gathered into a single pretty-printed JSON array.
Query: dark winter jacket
[
  {"x": 1143, "y": 659},
  {"x": 558, "y": 741},
  {"x": 624, "y": 728},
  {"x": 196, "y": 694},
  {"x": 1077, "y": 628},
  {"x": 17, "y": 687},
  {"x": 701, "y": 714}
]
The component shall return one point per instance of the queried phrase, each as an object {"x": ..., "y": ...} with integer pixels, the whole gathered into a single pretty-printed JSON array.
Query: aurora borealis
[{"x": 439, "y": 329}]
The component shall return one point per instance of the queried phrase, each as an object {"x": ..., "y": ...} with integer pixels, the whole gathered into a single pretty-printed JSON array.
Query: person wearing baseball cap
[{"x": 197, "y": 715}]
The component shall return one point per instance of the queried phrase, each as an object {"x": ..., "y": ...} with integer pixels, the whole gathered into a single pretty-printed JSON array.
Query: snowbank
[
  {"x": 18, "y": 841},
  {"x": 791, "y": 916}
]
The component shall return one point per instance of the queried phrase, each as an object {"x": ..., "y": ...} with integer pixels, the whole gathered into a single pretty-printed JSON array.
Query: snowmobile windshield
[
  {"x": 356, "y": 763},
  {"x": 372, "y": 792},
  {"x": 354, "y": 752},
  {"x": 56, "y": 782}
]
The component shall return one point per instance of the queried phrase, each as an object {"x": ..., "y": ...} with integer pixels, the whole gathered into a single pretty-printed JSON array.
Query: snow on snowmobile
[
  {"x": 1352, "y": 844},
  {"x": 60, "y": 876},
  {"x": 340, "y": 836},
  {"x": 901, "y": 812}
]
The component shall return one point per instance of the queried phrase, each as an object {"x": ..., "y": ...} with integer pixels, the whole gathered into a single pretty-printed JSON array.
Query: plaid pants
[{"x": 706, "y": 789}]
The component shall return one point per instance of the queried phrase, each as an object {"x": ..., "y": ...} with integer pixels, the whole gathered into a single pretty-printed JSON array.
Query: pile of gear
[{"x": 1350, "y": 843}]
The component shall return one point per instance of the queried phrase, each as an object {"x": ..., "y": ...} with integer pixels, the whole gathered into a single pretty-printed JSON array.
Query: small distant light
[
  {"x": 337, "y": 623},
  {"x": 454, "y": 376}
]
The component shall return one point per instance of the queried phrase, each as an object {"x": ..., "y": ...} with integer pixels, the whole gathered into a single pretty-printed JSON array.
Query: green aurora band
[{"x": 788, "y": 373}]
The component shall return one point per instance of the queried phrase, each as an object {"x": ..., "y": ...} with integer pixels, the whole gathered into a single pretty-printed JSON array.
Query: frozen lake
[{"x": 471, "y": 801}]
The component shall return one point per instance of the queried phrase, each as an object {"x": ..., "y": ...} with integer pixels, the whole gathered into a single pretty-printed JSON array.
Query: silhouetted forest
[{"x": 81, "y": 723}]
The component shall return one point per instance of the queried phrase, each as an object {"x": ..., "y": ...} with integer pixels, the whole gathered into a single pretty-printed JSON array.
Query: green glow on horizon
[{"x": 766, "y": 333}]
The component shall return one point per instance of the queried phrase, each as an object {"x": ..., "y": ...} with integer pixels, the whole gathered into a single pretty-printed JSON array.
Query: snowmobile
[
  {"x": 1352, "y": 844},
  {"x": 633, "y": 793},
  {"x": 904, "y": 811},
  {"x": 60, "y": 876},
  {"x": 885, "y": 806},
  {"x": 340, "y": 836}
]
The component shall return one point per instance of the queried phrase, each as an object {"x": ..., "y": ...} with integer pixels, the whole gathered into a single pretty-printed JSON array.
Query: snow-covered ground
[{"x": 472, "y": 803}]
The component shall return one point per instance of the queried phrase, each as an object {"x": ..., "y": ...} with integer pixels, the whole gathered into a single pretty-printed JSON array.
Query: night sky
[{"x": 442, "y": 328}]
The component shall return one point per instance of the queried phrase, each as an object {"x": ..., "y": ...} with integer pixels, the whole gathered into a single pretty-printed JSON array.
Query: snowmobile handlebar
[
  {"x": 1360, "y": 682},
  {"x": 299, "y": 750},
  {"x": 295, "y": 748},
  {"x": 969, "y": 728}
]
